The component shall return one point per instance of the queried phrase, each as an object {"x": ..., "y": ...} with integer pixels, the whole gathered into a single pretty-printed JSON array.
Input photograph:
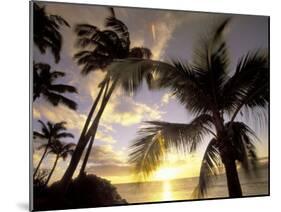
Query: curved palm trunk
[
  {"x": 83, "y": 142},
  {"x": 233, "y": 182},
  {"x": 90, "y": 115},
  {"x": 83, "y": 167},
  {"x": 52, "y": 171},
  {"x": 41, "y": 160}
]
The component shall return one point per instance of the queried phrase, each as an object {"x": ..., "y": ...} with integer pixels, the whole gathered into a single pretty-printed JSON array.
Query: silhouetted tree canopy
[
  {"x": 43, "y": 84},
  {"x": 46, "y": 32}
]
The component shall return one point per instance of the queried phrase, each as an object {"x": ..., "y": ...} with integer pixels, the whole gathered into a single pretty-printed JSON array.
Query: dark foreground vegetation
[{"x": 83, "y": 192}]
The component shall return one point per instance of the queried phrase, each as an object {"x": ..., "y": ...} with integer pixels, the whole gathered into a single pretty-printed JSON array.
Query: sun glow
[{"x": 166, "y": 173}]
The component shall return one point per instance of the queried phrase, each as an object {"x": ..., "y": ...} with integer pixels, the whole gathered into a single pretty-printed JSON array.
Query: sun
[{"x": 166, "y": 173}]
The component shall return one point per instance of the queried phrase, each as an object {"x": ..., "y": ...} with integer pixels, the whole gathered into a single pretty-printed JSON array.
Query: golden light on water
[{"x": 167, "y": 193}]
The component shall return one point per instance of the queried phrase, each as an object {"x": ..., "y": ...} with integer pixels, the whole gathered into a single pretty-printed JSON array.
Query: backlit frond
[
  {"x": 249, "y": 86},
  {"x": 243, "y": 140},
  {"x": 209, "y": 169},
  {"x": 148, "y": 149}
]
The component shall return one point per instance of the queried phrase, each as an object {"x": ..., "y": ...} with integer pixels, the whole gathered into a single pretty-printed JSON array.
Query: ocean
[{"x": 181, "y": 189}]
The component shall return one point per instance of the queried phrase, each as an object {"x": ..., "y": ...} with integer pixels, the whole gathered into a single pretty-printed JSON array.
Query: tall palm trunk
[
  {"x": 90, "y": 115},
  {"x": 80, "y": 144},
  {"x": 228, "y": 159},
  {"x": 42, "y": 158},
  {"x": 83, "y": 142},
  {"x": 53, "y": 169},
  {"x": 233, "y": 183},
  {"x": 83, "y": 167}
]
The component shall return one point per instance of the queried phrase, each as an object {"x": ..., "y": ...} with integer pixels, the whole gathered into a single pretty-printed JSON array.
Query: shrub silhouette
[{"x": 84, "y": 192}]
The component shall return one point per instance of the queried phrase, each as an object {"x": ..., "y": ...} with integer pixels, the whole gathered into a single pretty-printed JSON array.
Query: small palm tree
[
  {"x": 46, "y": 31},
  {"x": 60, "y": 150},
  {"x": 215, "y": 96},
  {"x": 105, "y": 47},
  {"x": 50, "y": 132},
  {"x": 43, "y": 84}
]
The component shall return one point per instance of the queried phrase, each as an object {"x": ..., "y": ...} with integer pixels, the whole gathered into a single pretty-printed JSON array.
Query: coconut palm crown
[
  {"x": 46, "y": 32},
  {"x": 44, "y": 85},
  {"x": 51, "y": 133},
  {"x": 215, "y": 96},
  {"x": 60, "y": 150}
]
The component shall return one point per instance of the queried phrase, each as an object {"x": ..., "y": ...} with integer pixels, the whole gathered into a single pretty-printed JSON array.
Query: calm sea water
[{"x": 181, "y": 189}]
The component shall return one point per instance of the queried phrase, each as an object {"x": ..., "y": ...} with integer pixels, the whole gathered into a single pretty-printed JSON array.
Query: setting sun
[{"x": 167, "y": 173}]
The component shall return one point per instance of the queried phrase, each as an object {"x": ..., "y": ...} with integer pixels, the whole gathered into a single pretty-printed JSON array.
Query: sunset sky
[{"x": 169, "y": 35}]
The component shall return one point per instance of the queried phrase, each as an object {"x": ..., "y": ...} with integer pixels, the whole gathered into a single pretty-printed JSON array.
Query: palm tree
[
  {"x": 43, "y": 84},
  {"x": 50, "y": 132},
  {"x": 215, "y": 96},
  {"x": 46, "y": 31},
  {"x": 100, "y": 49},
  {"x": 61, "y": 150}
]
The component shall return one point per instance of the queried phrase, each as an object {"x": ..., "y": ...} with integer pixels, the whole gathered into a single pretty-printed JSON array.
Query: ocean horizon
[{"x": 181, "y": 189}]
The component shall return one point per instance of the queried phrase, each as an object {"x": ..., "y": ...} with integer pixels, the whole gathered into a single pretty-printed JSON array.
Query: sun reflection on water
[{"x": 167, "y": 193}]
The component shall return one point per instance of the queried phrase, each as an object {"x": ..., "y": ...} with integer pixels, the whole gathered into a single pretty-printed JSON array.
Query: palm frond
[
  {"x": 211, "y": 61},
  {"x": 91, "y": 61},
  {"x": 185, "y": 83},
  {"x": 69, "y": 146},
  {"x": 58, "y": 127},
  {"x": 61, "y": 88},
  {"x": 130, "y": 73},
  {"x": 148, "y": 150},
  {"x": 44, "y": 128},
  {"x": 65, "y": 135},
  {"x": 50, "y": 126},
  {"x": 120, "y": 28},
  {"x": 85, "y": 29},
  {"x": 56, "y": 99},
  {"x": 42, "y": 66},
  {"x": 37, "y": 134},
  {"x": 243, "y": 140},
  {"x": 249, "y": 85},
  {"x": 43, "y": 85},
  {"x": 146, "y": 155},
  {"x": 62, "y": 149},
  {"x": 59, "y": 20},
  {"x": 209, "y": 168},
  {"x": 46, "y": 34}
]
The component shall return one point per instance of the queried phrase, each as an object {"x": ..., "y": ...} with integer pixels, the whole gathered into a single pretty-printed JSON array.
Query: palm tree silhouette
[
  {"x": 43, "y": 84},
  {"x": 46, "y": 31},
  {"x": 111, "y": 44},
  {"x": 215, "y": 96},
  {"x": 50, "y": 132},
  {"x": 61, "y": 150}
]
